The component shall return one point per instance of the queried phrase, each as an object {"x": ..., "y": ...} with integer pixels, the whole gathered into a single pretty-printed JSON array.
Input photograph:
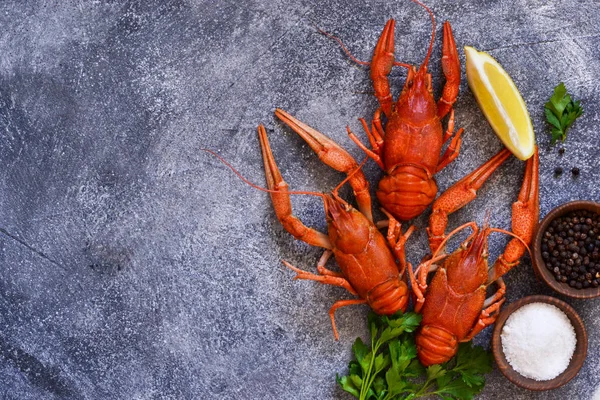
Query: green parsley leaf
[
  {"x": 390, "y": 370},
  {"x": 381, "y": 361},
  {"x": 443, "y": 380},
  {"x": 379, "y": 387},
  {"x": 435, "y": 371},
  {"x": 414, "y": 369},
  {"x": 456, "y": 389},
  {"x": 561, "y": 112},
  {"x": 402, "y": 353},
  {"x": 346, "y": 383},
  {"x": 473, "y": 358},
  {"x": 470, "y": 365},
  {"x": 362, "y": 354},
  {"x": 356, "y": 380},
  {"x": 354, "y": 368}
]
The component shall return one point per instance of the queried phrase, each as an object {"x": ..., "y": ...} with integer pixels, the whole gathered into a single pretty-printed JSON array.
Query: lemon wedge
[{"x": 500, "y": 102}]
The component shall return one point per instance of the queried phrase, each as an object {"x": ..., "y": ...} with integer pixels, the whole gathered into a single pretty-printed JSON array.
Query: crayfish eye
[{"x": 409, "y": 83}]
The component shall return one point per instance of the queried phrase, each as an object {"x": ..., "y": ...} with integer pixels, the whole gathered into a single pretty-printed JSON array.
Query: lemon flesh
[{"x": 500, "y": 102}]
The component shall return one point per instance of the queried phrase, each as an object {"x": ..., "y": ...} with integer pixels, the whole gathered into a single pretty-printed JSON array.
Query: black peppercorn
[
  {"x": 558, "y": 171},
  {"x": 571, "y": 249},
  {"x": 590, "y": 247},
  {"x": 568, "y": 269}
]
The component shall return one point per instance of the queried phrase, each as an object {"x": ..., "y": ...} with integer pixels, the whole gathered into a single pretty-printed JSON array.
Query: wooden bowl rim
[
  {"x": 576, "y": 362},
  {"x": 538, "y": 262}
]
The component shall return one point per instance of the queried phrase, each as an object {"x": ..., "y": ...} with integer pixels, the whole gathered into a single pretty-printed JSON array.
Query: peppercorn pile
[{"x": 571, "y": 249}]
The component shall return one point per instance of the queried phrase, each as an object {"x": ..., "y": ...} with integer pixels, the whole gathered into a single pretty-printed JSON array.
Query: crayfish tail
[
  {"x": 389, "y": 297},
  {"x": 435, "y": 345}
]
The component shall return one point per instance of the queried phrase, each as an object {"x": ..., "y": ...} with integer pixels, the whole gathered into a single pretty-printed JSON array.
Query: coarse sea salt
[{"x": 538, "y": 341}]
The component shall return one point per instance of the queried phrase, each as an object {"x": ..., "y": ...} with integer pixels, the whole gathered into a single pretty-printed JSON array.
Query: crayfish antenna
[
  {"x": 487, "y": 218},
  {"x": 337, "y": 39},
  {"x": 350, "y": 175},
  {"x": 335, "y": 191},
  {"x": 345, "y": 49},
  {"x": 255, "y": 186},
  {"x": 426, "y": 61},
  {"x": 519, "y": 238},
  {"x": 472, "y": 225}
]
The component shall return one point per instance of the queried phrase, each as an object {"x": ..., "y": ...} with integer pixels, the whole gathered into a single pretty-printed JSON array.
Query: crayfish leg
[
  {"x": 397, "y": 239},
  {"x": 491, "y": 311},
  {"x": 328, "y": 279},
  {"x": 323, "y": 261},
  {"x": 451, "y": 152},
  {"x": 418, "y": 289},
  {"x": 324, "y": 279},
  {"x": 339, "y": 304}
]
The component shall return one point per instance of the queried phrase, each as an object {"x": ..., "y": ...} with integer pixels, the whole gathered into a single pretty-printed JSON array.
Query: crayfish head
[
  {"x": 349, "y": 230},
  {"x": 471, "y": 270},
  {"x": 416, "y": 102}
]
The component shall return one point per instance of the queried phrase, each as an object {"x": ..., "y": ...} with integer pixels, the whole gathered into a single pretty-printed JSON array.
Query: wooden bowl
[
  {"x": 576, "y": 361},
  {"x": 538, "y": 262}
]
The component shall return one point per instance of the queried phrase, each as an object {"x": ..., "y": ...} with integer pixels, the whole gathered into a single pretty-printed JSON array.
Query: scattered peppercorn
[
  {"x": 558, "y": 171},
  {"x": 571, "y": 249},
  {"x": 561, "y": 151},
  {"x": 575, "y": 171}
]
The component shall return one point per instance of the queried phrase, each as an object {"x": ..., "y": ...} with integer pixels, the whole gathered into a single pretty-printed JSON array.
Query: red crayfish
[
  {"x": 454, "y": 304},
  {"x": 368, "y": 266},
  {"x": 408, "y": 151}
]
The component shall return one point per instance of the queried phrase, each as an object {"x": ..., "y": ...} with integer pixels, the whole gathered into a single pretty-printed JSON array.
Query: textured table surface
[{"x": 135, "y": 266}]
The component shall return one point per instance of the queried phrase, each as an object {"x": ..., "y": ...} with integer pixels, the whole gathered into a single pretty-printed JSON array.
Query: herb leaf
[
  {"x": 347, "y": 384},
  {"x": 362, "y": 354},
  {"x": 561, "y": 111},
  {"x": 390, "y": 370}
]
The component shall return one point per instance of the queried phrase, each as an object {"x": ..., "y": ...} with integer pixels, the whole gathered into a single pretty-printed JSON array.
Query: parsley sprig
[
  {"x": 390, "y": 368},
  {"x": 561, "y": 111}
]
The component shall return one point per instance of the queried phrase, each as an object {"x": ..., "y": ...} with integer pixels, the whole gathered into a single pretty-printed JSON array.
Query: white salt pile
[
  {"x": 596, "y": 394},
  {"x": 538, "y": 341}
]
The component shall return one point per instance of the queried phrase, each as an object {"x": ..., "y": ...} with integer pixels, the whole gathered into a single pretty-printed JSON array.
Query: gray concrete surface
[{"x": 135, "y": 266}]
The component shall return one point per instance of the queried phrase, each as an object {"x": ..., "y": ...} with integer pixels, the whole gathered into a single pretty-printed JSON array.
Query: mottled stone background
[{"x": 135, "y": 266}]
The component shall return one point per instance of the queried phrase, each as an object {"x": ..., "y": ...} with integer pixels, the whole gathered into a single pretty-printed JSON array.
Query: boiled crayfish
[
  {"x": 454, "y": 304},
  {"x": 408, "y": 151},
  {"x": 368, "y": 266}
]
